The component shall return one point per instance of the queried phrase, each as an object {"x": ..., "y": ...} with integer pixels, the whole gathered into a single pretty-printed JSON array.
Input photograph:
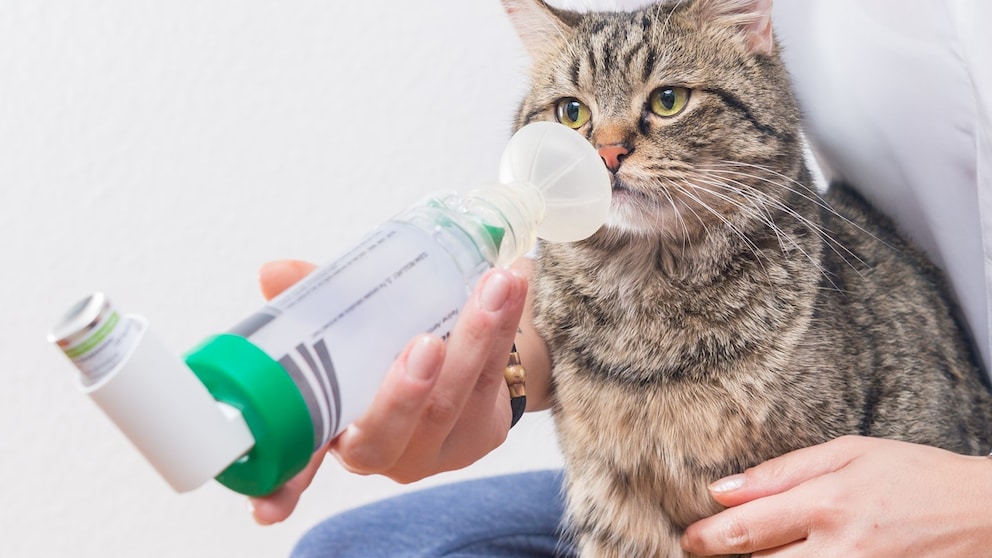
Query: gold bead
[{"x": 516, "y": 376}]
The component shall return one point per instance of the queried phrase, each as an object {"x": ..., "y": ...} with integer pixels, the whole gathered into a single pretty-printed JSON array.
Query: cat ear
[
  {"x": 538, "y": 24},
  {"x": 753, "y": 17}
]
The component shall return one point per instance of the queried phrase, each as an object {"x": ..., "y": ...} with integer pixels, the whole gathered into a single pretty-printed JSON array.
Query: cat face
[{"x": 687, "y": 104}]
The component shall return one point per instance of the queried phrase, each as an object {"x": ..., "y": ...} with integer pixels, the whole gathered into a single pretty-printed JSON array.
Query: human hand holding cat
[
  {"x": 853, "y": 496},
  {"x": 441, "y": 406}
]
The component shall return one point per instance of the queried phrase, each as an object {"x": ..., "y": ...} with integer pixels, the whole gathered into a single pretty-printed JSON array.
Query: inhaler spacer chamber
[{"x": 250, "y": 406}]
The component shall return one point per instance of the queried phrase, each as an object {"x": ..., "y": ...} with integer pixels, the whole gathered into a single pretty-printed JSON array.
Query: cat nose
[{"x": 613, "y": 155}]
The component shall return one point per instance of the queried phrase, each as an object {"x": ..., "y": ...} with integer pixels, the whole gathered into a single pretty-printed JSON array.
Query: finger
[
  {"x": 275, "y": 277},
  {"x": 785, "y": 472},
  {"x": 280, "y": 504},
  {"x": 766, "y": 523},
  {"x": 374, "y": 442},
  {"x": 485, "y": 417},
  {"x": 466, "y": 353}
]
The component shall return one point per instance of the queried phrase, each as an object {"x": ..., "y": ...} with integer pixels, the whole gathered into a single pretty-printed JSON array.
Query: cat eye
[
  {"x": 572, "y": 113},
  {"x": 669, "y": 101}
]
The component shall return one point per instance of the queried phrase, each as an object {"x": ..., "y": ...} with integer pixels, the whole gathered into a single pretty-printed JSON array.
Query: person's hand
[
  {"x": 853, "y": 496},
  {"x": 442, "y": 406}
]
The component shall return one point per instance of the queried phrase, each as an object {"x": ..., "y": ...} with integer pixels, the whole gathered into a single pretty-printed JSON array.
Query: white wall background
[{"x": 161, "y": 151}]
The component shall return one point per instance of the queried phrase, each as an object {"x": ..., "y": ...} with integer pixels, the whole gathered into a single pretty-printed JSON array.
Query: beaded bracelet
[{"x": 516, "y": 381}]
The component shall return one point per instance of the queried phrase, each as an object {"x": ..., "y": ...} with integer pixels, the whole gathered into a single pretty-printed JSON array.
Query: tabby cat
[{"x": 727, "y": 313}]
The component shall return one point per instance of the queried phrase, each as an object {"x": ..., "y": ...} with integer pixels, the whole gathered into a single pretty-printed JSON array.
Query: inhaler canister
[{"x": 150, "y": 394}]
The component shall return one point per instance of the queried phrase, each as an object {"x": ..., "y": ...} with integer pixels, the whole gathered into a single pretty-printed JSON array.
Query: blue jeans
[{"x": 515, "y": 516}]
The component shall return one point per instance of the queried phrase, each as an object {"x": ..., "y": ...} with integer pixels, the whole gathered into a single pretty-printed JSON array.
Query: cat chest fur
[{"x": 660, "y": 387}]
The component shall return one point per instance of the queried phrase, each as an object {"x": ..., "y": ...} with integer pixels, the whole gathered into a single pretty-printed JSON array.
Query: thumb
[
  {"x": 275, "y": 277},
  {"x": 785, "y": 472},
  {"x": 280, "y": 504}
]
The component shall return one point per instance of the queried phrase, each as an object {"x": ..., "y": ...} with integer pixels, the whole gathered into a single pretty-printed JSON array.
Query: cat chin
[
  {"x": 622, "y": 225},
  {"x": 639, "y": 221}
]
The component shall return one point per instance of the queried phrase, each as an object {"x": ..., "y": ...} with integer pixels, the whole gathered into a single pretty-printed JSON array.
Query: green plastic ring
[{"x": 240, "y": 374}]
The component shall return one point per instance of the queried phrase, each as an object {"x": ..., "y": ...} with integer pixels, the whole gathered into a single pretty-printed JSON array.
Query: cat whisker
[
  {"x": 747, "y": 190},
  {"x": 760, "y": 213},
  {"x": 681, "y": 220},
  {"x": 814, "y": 227},
  {"x": 776, "y": 174},
  {"x": 814, "y": 197},
  {"x": 766, "y": 218},
  {"x": 833, "y": 244},
  {"x": 722, "y": 218},
  {"x": 754, "y": 210}
]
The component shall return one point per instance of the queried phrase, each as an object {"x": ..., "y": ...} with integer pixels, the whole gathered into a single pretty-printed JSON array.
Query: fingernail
[
  {"x": 495, "y": 292},
  {"x": 421, "y": 362},
  {"x": 727, "y": 484}
]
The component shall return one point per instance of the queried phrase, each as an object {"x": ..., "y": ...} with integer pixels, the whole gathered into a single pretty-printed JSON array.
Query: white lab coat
[{"x": 897, "y": 96}]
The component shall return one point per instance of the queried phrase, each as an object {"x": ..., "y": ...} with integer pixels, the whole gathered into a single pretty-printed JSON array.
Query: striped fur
[{"x": 727, "y": 313}]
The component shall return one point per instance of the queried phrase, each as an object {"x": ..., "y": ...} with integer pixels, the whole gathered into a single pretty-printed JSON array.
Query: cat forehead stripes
[{"x": 542, "y": 27}]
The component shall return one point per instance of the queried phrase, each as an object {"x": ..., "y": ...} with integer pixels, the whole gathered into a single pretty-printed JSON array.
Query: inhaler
[{"x": 250, "y": 406}]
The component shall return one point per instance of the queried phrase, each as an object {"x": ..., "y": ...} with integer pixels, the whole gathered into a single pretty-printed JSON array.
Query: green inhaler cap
[{"x": 238, "y": 373}]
